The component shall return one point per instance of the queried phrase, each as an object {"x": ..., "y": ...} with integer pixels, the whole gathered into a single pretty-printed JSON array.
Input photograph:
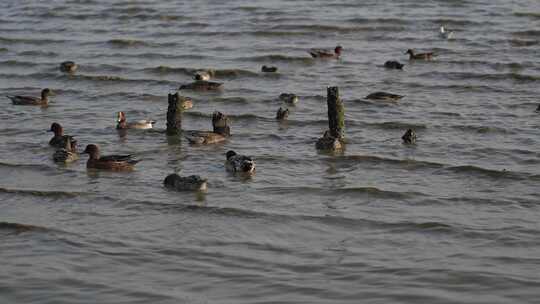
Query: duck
[
  {"x": 68, "y": 66},
  {"x": 538, "y": 109},
  {"x": 384, "y": 96},
  {"x": 239, "y": 163},
  {"x": 392, "y": 64},
  {"x": 139, "y": 124},
  {"x": 329, "y": 143},
  {"x": 288, "y": 98},
  {"x": 445, "y": 34},
  {"x": 67, "y": 154},
  {"x": 202, "y": 85},
  {"x": 269, "y": 69},
  {"x": 282, "y": 114},
  {"x": 30, "y": 100},
  {"x": 221, "y": 131},
  {"x": 409, "y": 137},
  {"x": 320, "y": 53},
  {"x": 185, "y": 183},
  {"x": 59, "y": 140},
  {"x": 109, "y": 162},
  {"x": 421, "y": 56}
]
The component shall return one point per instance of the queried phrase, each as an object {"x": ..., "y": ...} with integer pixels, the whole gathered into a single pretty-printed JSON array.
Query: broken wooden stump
[
  {"x": 177, "y": 105},
  {"x": 333, "y": 138}
]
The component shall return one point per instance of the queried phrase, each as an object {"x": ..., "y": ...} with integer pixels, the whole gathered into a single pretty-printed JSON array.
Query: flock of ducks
[{"x": 66, "y": 145}]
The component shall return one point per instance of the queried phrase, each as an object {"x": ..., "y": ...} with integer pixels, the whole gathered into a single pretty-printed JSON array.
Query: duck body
[
  {"x": 445, "y": 34},
  {"x": 60, "y": 140},
  {"x": 185, "y": 183},
  {"x": 67, "y": 154},
  {"x": 139, "y": 124},
  {"x": 384, "y": 96},
  {"x": 269, "y": 69},
  {"x": 239, "y": 163},
  {"x": 392, "y": 64},
  {"x": 289, "y": 98},
  {"x": 21, "y": 100},
  {"x": 420, "y": 56},
  {"x": 202, "y": 85},
  {"x": 68, "y": 66},
  {"x": 109, "y": 162},
  {"x": 321, "y": 53},
  {"x": 204, "y": 137},
  {"x": 409, "y": 137}
]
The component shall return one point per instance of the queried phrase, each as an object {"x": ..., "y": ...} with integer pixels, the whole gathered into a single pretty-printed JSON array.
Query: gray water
[{"x": 452, "y": 219}]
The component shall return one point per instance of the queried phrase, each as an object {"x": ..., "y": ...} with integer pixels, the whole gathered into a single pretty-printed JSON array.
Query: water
[{"x": 454, "y": 219}]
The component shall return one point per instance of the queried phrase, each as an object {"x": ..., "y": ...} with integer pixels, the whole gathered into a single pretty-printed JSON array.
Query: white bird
[{"x": 446, "y": 34}]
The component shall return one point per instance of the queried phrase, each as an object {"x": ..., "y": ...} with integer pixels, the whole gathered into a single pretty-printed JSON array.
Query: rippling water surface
[{"x": 453, "y": 219}]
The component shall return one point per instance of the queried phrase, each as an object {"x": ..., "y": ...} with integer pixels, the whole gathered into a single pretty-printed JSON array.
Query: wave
[
  {"x": 532, "y": 15},
  {"x": 7, "y": 40},
  {"x": 12, "y": 63},
  {"x": 310, "y": 28},
  {"x": 527, "y": 33},
  {"x": 483, "y": 129},
  {"x": 395, "y": 125},
  {"x": 40, "y": 193},
  {"x": 354, "y": 191},
  {"x": 409, "y": 163},
  {"x": 38, "y": 53},
  {"x": 218, "y": 73},
  {"x": 523, "y": 43},
  {"x": 121, "y": 43},
  {"x": 361, "y": 20},
  {"x": 490, "y": 173},
  {"x": 279, "y": 58},
  {"x": 478, "y": 76}
]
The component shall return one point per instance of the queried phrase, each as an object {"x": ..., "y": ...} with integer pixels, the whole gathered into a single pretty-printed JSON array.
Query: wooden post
[
  {"x": 220, "y": 122},
  {"x": 334, "y": 137},
  {"x": 174, "y": 114},
  {"x": 336, "y": 113}
]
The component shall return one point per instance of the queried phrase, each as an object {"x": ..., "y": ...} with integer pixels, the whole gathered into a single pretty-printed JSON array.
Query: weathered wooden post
[
  {"x": 174, "y": 114},
  {"x": 333, "y": 139},
  {"x": 220, "y": 122}
]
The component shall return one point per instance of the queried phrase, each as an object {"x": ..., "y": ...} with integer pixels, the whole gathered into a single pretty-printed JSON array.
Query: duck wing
[
  {"x": 118, "y": 158},
  {"x": 315, "y": 53}
]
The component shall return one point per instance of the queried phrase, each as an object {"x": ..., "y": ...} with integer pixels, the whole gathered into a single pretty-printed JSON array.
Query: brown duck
[
  {"x": 320, "y": 53},
  {"x": 221, "y": 132},
  {"x": 59, "y": 139},
  {"x": 109, "y": 162},
  {"x": 68, "y": 67},
  {"x": 30, "y": 100},
  {"x": 421, "y": 56}
]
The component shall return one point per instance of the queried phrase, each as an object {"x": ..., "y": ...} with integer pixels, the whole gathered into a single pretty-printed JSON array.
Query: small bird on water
[
  {"x": 108, "y": 162},
  {"x": 30, "y": 100},
  {"x": 320, "y": 53},
  {"x": 420, "y": 56},
  {"x": 409, "y": 137}
]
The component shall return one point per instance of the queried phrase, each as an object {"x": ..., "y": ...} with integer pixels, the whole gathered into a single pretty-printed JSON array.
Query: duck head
[
  {"x": 57, "y": 129},
  {"x": 45, "y": 93},
  {"x": 230, "y": 154},
  {"x": 92, "y": 150},
  {"x": 121, "y": 117},
  {"x": 410, "y": 52},
  {"x": 338, "y": 50}
]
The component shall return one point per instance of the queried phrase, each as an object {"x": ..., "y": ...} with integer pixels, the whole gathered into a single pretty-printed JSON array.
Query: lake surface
[{"x": 452, "y": 219}]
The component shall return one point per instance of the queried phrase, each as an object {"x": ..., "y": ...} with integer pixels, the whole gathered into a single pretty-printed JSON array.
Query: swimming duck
[
  {"x": 392, "y": 64},
  {"x": 319, "y": 53},
  {"x": 282, "y": 114},
  {"x": 409, "y": 137},
  {"x": 30, "y": 100},
  {"x": 288, "y": 98},
  {"x": 328, "y": 142},
  {"x": 239, "y": 163},
  {"x": 140, "y": 124},
  {"x": 421, "y": 56},
  {"x": 185, "y": 183},
  {"x": 109, "y": 162},
  {"x": 446, "y": 34},
  {"x": 68, "y": 66},
  {"x": 384, "y": 96},
  {"x": 59, "y": 139},
  {"x": 268, "y": 69},
  {"x": 221, "y": 131},
  {"x": 66, "y": 154},
  {"x": 202, "y": 85}
]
